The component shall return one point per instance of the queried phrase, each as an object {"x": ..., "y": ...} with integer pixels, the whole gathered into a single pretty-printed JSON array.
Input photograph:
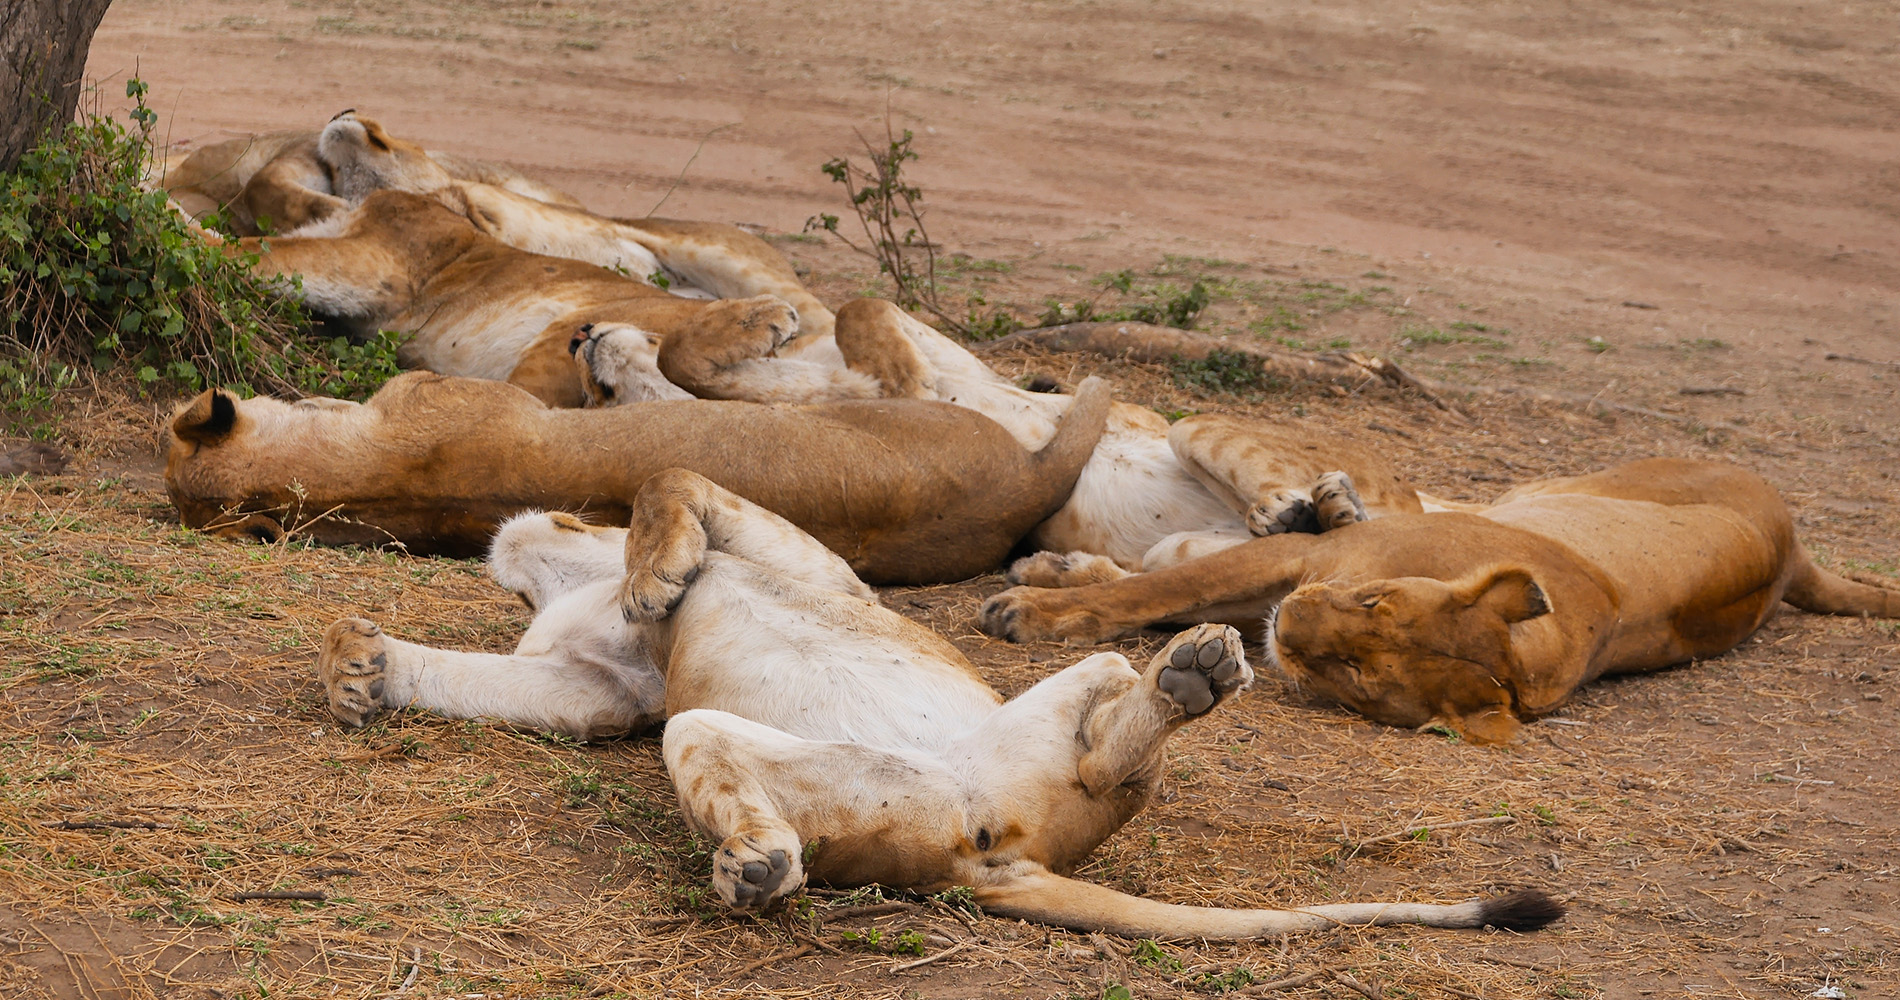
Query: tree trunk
[{"x": 43, "y": 46}]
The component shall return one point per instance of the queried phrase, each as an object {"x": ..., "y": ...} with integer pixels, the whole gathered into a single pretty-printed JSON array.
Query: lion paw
[
  {"x": 654, "y": 590},
  {"x": 1029, "y": 614},
  {"x": 1281, "y": 512},
  {"x": 1204, "y": 665},
  {"x": 1336, "y": 502},
  {"x": 752, "y": 870},
  {"x": 768, "y": 314},
  {"x": 352, "y": 667},
  {"x": 1064, "y": 569}
]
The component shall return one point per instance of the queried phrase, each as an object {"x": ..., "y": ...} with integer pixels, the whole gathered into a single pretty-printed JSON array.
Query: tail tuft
[{"x": 1523, "y": 910}]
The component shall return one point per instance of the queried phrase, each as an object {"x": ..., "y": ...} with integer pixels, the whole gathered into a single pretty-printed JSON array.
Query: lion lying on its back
[{"x": 815, "y": 735}]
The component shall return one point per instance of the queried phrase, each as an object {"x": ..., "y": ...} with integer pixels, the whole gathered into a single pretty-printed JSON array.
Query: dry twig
[{"x": 938, "y": 957}]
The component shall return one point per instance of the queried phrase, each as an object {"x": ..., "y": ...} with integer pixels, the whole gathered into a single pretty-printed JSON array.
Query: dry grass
[{"x": 1720, "y": 830}]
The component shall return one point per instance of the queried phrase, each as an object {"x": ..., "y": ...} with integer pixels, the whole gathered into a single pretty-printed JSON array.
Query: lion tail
[
  {"x": 1822, "y": 592},
  {"x": 1040, "y": 895},
  {"x": 1055, "y": 468}
]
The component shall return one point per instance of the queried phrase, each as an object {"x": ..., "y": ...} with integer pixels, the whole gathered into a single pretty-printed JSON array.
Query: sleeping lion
[
  {"x": 818, "y": 736},
  {"x": 905, "y": 490},
  {"x": 1482, "y": 621}
]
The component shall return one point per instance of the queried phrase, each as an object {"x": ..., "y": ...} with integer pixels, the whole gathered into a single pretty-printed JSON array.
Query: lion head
[
  {"x": 1413, "y": 651},
  {"x": 619, "y": 364},
  {"x": 362, "y": 158}
]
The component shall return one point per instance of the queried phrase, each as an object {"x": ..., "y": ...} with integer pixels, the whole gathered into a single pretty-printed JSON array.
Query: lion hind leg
[
  {"x": 1184, "y": 546},
  {"x": 1197, "y": 670},
  {"x": 697, "y": 355},
  {"x": 764, "y": 794},
  {"x": 679, "y": 514},
  {"x": 731, "y": 264},
  {"x": 1278, "y": 478},
  {"x": 734, "y": 349},
  {"x": 1237, "y": 462},
  {"x": 871, "y": 336}
]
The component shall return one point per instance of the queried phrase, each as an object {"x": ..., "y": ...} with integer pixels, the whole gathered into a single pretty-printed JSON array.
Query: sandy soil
[{"x": 1615, "y": 201}]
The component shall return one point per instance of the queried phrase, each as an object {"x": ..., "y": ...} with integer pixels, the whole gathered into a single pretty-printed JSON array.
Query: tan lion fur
[
  {"x": 1480, "y": 621},
  {"x": 1152, "y": 495},
  {"x": 815, "y": 735},
  {"x": 288, "y": 180},
  {"x": 476, "y": 307},
  {"x": 906, "y": 491}
]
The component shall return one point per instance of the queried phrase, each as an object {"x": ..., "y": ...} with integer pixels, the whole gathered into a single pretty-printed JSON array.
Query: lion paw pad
[
  {"x": 1205, "y": 664},
  {"x": 749, "y": 876},
  {"x": 1281, "y": 513}
]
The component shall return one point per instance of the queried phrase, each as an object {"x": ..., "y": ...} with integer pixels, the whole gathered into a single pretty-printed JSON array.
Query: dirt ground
[{"x": 1687, "y": 211}]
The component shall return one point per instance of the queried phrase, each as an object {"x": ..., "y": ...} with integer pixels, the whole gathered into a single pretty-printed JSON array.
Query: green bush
[
  {"x": 99, "y": 273},
  {"x": 1160, "y": 305},
  {"x": 1221, "y": 372}
]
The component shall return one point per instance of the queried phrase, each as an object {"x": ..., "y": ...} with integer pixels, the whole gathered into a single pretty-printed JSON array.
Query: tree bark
[{"x": 43, "y": 45}]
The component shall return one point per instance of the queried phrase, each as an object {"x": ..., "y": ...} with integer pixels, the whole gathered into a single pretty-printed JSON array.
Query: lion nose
[{"x": 580, "y": 337}]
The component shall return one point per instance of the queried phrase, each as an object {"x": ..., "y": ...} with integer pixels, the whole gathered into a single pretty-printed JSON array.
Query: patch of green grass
[
  {"x": 1173, "y": 264},
  {"x": 1239, "y": 977},
  {"x": 1223, "y": 373},
  {"x": 1278, "y": 318},
  {"x": 1150, "y": 953},
  {"x": 1425, "y": 336}
]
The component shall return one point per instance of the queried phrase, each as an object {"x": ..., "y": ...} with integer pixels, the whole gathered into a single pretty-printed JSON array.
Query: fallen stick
[
  {"x": 1152, "y": 344},
  {"x": 798, "y": 952},
  {"x": 309, "y": 895},
  {"x": 871, "y": 910},
  {"x": 1413, "y": 831},
  {"x": 105, "y": 824},
  {"x": 939, "y": 956},
  {"x": 1517, "y": 963},
  {"x": 340, "y": 953},
  {"x": 1369, "y": 992},
  {"x": 415, "y": 968},
  {"x": 1289, "y": 983},
  {"x": 1863, "y": 361},
  {"x": 331, "y": 872}
]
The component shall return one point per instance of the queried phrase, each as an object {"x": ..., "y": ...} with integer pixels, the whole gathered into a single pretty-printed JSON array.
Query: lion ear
[
  {"x": 209, "y": 419},
  {"x": 1512, "y": 595}
]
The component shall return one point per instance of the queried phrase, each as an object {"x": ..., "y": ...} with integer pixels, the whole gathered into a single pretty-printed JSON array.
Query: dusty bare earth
[{"x": 1614, "y": 201}]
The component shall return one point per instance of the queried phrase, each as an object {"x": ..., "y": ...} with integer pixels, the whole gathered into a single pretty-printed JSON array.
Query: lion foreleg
[
  {"x": 1235, "y": 586},
  {"x": 579, "y": 670},
  {"x": 341, "y": 278},
  {"x": 287, "y": 193},
  {"x": 678, "y": 515}
]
